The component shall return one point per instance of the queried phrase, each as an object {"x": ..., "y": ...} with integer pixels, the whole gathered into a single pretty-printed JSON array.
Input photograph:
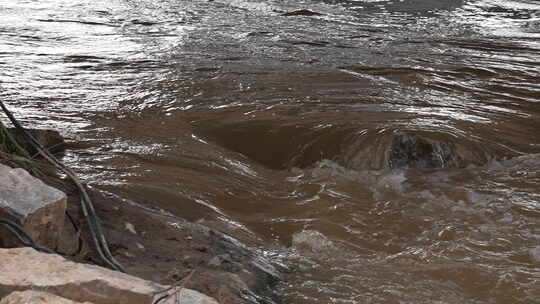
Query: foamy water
[{"x": 386, "y": 150}]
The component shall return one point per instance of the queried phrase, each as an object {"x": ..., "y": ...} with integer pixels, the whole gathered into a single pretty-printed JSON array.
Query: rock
[
  {"x": 37, "y": 207},
  {"x": 302, "y": 12},
  {"x": 413, "y": 151},
  {"x": 36, "y": 297},
  {"x": 185, "y": 295},
  {"x": 26, "y": 268},
  {"x": 49, "y": 139},
  {"x": 258, "y": 274}
]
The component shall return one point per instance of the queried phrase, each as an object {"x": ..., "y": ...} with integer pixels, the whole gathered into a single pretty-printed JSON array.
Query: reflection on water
[{"x": 388, "y": 149}]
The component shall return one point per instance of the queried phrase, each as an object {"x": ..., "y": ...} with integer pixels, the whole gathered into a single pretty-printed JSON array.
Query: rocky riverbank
[{"x": 152, "y": 245}]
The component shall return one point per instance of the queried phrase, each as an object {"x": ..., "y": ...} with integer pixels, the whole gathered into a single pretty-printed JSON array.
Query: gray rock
[
  {"x": 28, "y": 269},
  {"x": 39, "y": 208},
  {"x": 36, "y": 297},
  {"x": 185, "y": 295},
  {"x": 413, "y": 151}
]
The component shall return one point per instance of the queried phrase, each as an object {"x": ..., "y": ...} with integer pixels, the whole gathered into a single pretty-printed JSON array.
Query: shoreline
[
  {"x": 163, "y": 248},
  {"x": 157, "y": 246}
]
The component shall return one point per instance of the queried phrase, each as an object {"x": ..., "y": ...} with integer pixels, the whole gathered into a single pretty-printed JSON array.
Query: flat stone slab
[
  {"x": 28, "y": 269},
  {"x": 36, "y": 297},
  {"x": 39, "y": 208}
]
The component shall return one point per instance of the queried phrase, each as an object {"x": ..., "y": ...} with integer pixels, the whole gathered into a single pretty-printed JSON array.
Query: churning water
[{"x": 389, "y": 150}]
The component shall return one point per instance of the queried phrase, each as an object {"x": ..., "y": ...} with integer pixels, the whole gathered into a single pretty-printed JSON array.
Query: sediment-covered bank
[{"x": 150, "y": 244}]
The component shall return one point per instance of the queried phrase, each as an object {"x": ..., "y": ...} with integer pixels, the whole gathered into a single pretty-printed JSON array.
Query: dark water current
[{"x": 388, "y": 150}]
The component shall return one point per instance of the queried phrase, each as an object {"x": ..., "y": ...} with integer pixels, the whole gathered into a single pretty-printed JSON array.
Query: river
[{"x": 387, "y": 150}]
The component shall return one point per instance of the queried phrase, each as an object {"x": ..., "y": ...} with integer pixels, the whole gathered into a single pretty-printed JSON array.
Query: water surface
[{"x": 285, "y": 126}]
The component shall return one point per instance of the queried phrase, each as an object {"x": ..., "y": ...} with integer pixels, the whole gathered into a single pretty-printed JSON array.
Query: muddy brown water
[{"x": 386, "y": 150}]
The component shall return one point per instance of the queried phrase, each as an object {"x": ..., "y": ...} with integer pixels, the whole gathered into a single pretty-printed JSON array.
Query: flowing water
[{"x": 388, "y": 150}]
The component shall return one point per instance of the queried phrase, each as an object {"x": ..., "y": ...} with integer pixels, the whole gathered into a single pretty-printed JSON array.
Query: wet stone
[
  {"x": 36, "y": 297},
  {"x": 37, "y": 207},
  {"x": 413, "y": 151},
  {"x": 28, "y": 269}
]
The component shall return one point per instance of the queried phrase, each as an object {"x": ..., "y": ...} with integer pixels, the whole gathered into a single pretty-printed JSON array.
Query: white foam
[
  {"x": 534, "y": 254},
  {"x": 312, "y": 240}
]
